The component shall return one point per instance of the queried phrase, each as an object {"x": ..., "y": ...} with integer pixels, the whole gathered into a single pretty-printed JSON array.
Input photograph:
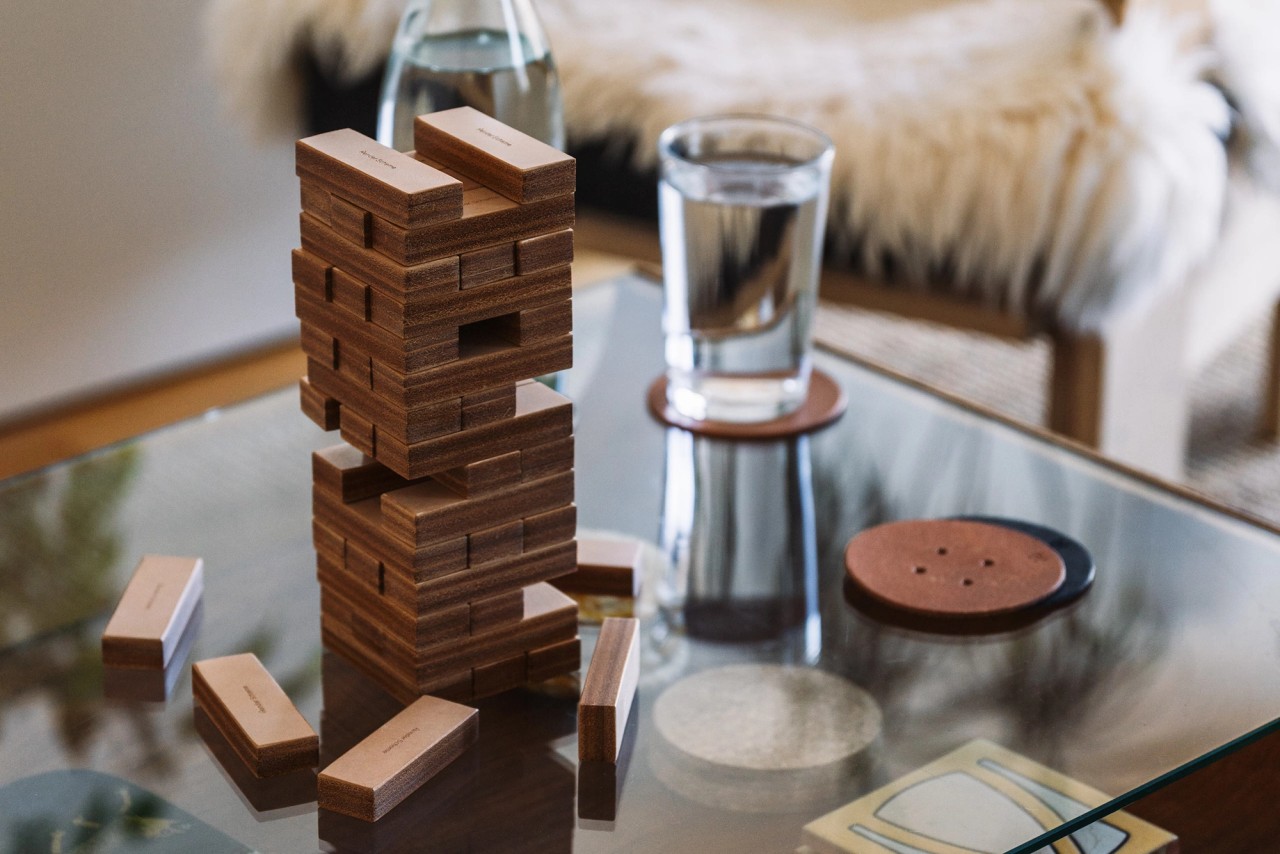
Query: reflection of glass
[{"x": 738, "y": 529}]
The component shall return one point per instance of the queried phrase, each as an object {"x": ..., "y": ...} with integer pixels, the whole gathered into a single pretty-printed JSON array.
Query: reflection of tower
[{"x": 431, "y": 288}]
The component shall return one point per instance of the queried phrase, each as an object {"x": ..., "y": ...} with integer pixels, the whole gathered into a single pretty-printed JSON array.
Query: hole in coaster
[
  {"x": 942, "y": 550},
  {"x": 968, "y": 582},
  {"x": 920, "y": 570},
  {"x": 489, "y": 336}
]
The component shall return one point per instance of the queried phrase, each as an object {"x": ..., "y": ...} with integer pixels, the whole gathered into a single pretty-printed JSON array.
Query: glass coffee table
[{"x": 1168, "y": 662}]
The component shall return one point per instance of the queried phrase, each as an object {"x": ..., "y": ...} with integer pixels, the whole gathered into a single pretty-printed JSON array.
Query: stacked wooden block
[{"x": 432, "y": 287}]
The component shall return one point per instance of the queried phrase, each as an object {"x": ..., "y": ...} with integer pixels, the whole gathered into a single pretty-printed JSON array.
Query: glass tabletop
[{"x": 1167, "y": 661}]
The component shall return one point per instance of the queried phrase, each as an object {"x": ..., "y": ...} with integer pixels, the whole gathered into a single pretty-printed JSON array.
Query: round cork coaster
[
  {"x": 825, "y": 403},
  {"x": 953, "y": 568},
  {"x": 767, "y": 717}
]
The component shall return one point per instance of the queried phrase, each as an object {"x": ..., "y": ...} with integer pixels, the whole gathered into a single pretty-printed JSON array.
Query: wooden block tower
[{"x": 432, "y": 287}]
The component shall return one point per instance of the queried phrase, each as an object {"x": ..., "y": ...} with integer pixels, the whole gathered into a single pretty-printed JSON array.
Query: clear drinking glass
[
  {"x": 743, "y": 206},
  {"x": 488, "y": 54}
]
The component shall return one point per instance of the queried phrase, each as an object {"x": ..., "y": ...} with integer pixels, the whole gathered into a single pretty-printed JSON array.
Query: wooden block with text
[
  {"x": 259, "y": 721},
  {"x": 153, "y": 611},
  {"x": 390, "y": 764}
]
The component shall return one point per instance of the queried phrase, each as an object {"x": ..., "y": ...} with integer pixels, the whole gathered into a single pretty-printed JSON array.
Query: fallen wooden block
[
  {"x": 513, "y": 163},
  {"x": 609, "y": 690},
  {"x": 255, "y": 715},
  {"x": 153, "y": 611},
  {"x": 392, "y": 185},
  {"x": 605, "y": 568},
  {"x": 373, "y": 777}
]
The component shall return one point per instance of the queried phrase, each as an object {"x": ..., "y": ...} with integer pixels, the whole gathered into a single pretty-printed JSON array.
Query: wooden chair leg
[
  {"x": 1124, "y": 391},
  {"x": 1271, "y": 394}
]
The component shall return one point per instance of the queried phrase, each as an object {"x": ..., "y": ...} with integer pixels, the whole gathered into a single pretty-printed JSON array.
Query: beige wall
[{"x": 139, "y": 232}]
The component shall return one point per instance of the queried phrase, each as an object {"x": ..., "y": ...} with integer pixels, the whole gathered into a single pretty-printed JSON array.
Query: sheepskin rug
[{"x": 1027, "y": 153}]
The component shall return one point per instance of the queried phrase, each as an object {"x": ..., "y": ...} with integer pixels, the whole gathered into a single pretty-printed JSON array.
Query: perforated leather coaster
[
  {"x": 825, "y": 403},
  {"x": 953, "y": 568}
]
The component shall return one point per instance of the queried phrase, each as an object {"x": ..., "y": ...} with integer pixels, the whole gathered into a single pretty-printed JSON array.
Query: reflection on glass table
[{"x": 1168, "y": 660}]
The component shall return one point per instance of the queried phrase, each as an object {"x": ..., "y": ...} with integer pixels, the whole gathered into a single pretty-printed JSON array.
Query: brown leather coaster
[
  {"x": 825, "y": 403},
  {"x": 953, "y": 568}
]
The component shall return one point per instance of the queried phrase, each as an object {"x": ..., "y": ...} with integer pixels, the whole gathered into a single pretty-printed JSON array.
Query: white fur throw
[{"x": 1049, "y": 162}]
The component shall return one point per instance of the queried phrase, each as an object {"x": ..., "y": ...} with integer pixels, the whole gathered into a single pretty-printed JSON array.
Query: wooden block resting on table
[
  {"x": 391, "y": 184},
  {"x": 258, "y": 719},
  {"x": 397, "y": 758},
  {"x": 156, "y": 606},
  {"x": 608, "y": 690},
  {"x": 605, "y": 568},
  {"x": 513, "y": 163}
]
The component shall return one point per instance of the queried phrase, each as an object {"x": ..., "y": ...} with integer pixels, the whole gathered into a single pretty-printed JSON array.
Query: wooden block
[
  {"x": 355, "y": 364},
  {"x": 542, "y": 415},
  {"x": 554, "y": 526},
  {"x": 553, "y": 660},
  {"x": 494, "y": 612},
  {"x": 249, "y": 708},
  {"x": 351, "y": 221},
  {"x": 487, "y": 407},
  {"x": 403, "y": 425},
  {"x": 358, "y": 431},
  {"x": 532, "y": 567},
  {"x": 347, "y": 475},
  {"x": 477, "y": 367},
  {"x": 364, "y": 566},
  {"x": 608, "y": 690},
  {"x": 428, "y": 512},
  {"x": 361, "y": 522},
  {"x": 486, "y": 220},
  {"x": 495, "y": 543},
  {"x": 375, "y": 269},
  {"x": 371, "y": 615},
  {"x": 328, "y": 541},
  {"x": 549, "y": 617},
  {"x": 605, "y": 568},
  {"x": 513, "y": 163},
  {"x": 319, "y": 407},
  {"x": 481, "y": 478},
  {"x": 499, "y": 676},
  {"x": 312, "y": 272},
  {"x": 544, "y": 251},
  {"x": 533, "y": 325},
  {"x": 350, "y": 293},
  {"x": 401, "y": 685},
  {"x": 426, "y": 312},
  {"x": 547, "y": 459},
  {"x": 369, "y": 780},
  {"x": 319, "y": 346},
  {"x": 381, "y": 179},
  {"x": 432, "y": 347},
  {"x": 155, "y": 607},
  {"x": 487, "y": 265},
  {"x": 315, "y": 200}
]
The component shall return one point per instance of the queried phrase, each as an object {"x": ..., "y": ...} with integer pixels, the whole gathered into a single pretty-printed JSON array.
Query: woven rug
[{"x": 1226, "y": 460}]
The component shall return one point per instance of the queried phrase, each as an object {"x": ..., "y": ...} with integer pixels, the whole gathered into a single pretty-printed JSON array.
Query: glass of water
[{"x": 743, "y": 206}]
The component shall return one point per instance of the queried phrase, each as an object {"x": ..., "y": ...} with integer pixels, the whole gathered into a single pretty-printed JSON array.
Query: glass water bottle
[{"x": 489, "y": 54}]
